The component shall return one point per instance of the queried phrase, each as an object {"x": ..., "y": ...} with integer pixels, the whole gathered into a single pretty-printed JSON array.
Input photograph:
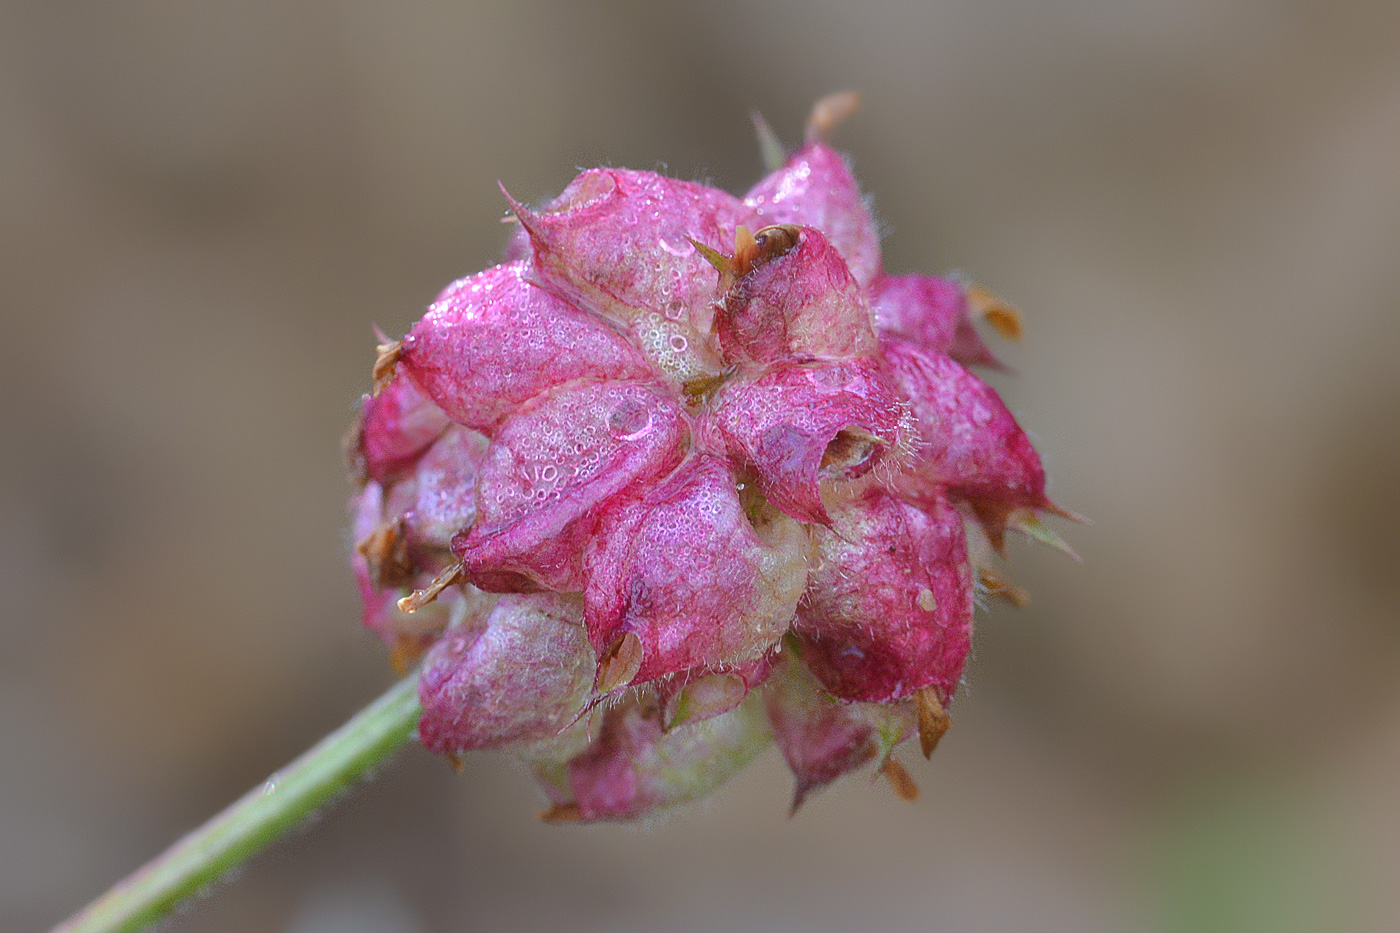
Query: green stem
[{"x": 258, "y": 818}]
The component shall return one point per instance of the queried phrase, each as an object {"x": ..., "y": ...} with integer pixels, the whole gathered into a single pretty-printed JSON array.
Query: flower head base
[{"x": 686, "y": 476}]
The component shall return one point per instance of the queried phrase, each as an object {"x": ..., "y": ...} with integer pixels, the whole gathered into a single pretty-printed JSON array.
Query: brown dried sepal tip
[
  {"x": 420, "y": 598},
  {"x": 619, "y": 664},
  {"x": 934, "y": 721},
  {"x": 385, "y": 362},
  {"x": 997, "y": 313},
  {"x": 995, "y": 517},
  {"x": 562, "y": 813},
  {"x": 900, "y": 780},
  {"x": 828, "y": 112},
  {"x": 1000, "y": 587},
  {"x": 351, "y": 444},
  {"x": 386, "y": 551},
  {"x": 457, "y": 761},
  {"x": 751, "y": 250}
]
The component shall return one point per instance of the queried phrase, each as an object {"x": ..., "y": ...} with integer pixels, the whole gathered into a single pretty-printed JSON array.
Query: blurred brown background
[{"x": 1196, "y": 205}]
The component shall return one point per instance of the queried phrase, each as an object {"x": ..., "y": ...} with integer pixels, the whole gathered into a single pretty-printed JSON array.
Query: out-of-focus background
[{"x": 1196, "y": 205}]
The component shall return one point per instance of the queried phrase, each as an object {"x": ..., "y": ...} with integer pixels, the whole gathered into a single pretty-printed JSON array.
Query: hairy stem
[{"x": 258, "y": 818}]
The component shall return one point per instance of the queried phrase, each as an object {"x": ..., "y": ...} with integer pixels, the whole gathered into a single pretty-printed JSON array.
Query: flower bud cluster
[{"x": 689, "y": 474}]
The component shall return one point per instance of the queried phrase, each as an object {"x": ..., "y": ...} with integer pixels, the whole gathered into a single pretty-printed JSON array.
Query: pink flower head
[{"x": 688, "y": 474}]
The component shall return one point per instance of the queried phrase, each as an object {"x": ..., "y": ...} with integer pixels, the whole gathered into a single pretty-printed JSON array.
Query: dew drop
[
  {"x": 682, "y": 249},
  {"x": 629, "y": 421}
]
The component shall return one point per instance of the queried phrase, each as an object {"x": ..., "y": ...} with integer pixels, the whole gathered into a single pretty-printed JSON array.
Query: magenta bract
[
  {"x": 492, "y": 342},
  {"x": 440, "y": 499},
  {"x": 971, "y": 446},
  {"x": 794, "y": 425},
  {"x": 623, "y": 243},
  {"x": 888, "y": 609},
  {"x": 396, "y": 426},
  {"x": 521, "y": 675},
  {"x": 817, "y": 188},
  {"x": 704, "y": 692},
  {"x": 635, "y": 766},
  {"x": 687, "y": 473},
  {"x": 823, "y": 738},
  {"x": 932, "y": 314},
  {"x": 550, "y": 469},
  {"x": 684, "y": 571},
  {"x": 803, "y": 304}
]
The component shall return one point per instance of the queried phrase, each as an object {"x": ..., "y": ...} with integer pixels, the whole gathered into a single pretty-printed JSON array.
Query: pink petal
[
  {"x": 493, "y": 341},
  {"x": 635, "y": 767},
  {"x": 618, "y": 242},
  {"x": 816, "y": 188},
  {"x": 931, "y": 313},
  {"x": 521, "y": 675},
  {"x": 396, "y": 426},
  {"x": 796, "y": 424},
  {"x": 971, "y": 443},
  {"x": 822, "y": 739},
  {"x": 683, "y": 570},
  {"x": 803, "y": 304},
  {"x": 552, "y": 465},
  {"x": 442, "y": 494},
  {"x": 888, "y": 608}
]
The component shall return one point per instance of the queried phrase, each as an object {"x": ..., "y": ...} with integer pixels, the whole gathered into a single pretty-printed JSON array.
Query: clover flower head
[{"x": 687, "y": 475}]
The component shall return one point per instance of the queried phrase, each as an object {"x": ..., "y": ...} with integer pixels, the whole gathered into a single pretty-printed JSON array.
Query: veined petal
[
  {"x": 521, "y": 675},
  {"x": 802, "y": 303},
  {"x": 684, "y": 571},
  {"x": 815, "y": 187},
  {"x": 796, "y": 424},
  {"x": 493, "y": 341},
  {"x": 888, "y": 609},
  {"x": 550, "y": 468},
  {"x": 619, "y": 242}
]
